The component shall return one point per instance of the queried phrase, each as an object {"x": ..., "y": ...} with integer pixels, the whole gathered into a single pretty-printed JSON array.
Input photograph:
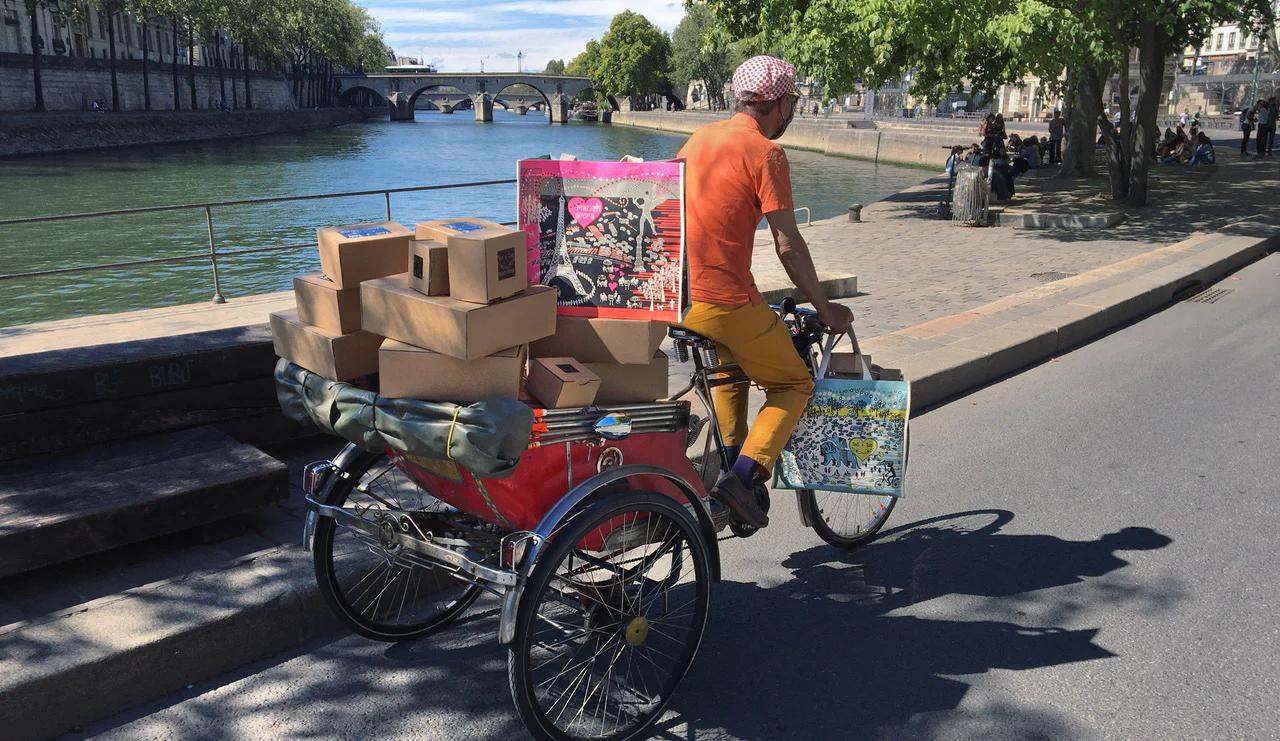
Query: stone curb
[
  {"x": 941, "y": 372},
  {"x": 127, "y": 649},
  {"x": 836, "y": 287},
  {"x": 1057, "y": 221}
]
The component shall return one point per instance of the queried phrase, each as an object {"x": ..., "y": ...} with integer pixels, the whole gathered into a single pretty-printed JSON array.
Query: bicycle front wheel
[{"x": 846, "y": 520}]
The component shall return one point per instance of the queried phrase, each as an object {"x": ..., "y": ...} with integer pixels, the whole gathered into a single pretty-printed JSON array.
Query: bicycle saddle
[{"x": 681, "y": 334}]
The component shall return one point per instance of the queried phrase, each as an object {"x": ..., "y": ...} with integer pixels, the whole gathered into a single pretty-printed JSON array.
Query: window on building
[
  {"x": 1218, "y": 43},
  {"x": 1231, "y": 41},
  {"x": 102, "y": 26}
]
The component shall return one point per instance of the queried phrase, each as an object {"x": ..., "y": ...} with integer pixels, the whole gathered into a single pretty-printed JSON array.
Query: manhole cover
[
  {"x": 1209, "y": 295},
  {"x": 1051, "y": 277}
]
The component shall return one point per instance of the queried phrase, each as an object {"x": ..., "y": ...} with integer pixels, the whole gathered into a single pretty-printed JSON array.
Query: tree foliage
[
  {"x": 554, "y": 67},
  {"x": 700, "y": 51},
  {"x": 632, "y": 57}
]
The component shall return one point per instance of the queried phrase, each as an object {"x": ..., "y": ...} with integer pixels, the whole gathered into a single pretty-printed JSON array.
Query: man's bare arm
[{"x": 794, "y": 255}]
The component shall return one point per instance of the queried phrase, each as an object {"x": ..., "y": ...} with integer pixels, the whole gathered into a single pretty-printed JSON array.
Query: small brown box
[
  {"x": 429, "y": 267},
  {"x": 357, "y": 252},
  {"x": 597, "y": 340},
  {"x": 337, "y": 357},
  {"x": 446, "y": 325},
  {"x": 325, "y": 306},
  {"x": 487, "y": 261},
  {"x": 562, "y": 383},
  {"x": 631, "y": 383},
  {"x": 846, "y": 364},
  {"x": 408, "y": 372}
]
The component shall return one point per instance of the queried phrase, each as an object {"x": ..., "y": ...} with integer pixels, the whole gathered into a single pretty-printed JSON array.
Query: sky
[{"x": 457, "y": 36}]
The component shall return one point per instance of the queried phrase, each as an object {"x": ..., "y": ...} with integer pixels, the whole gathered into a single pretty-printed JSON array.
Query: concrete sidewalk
[{"x": 955, "y": 307}]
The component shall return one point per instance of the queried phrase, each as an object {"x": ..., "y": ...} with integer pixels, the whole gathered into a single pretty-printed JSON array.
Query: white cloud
[{"x": 495, "y": 30}]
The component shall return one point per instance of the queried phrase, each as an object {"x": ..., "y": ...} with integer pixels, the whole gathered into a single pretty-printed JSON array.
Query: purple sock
[
  {"x": 731, "y": 453},
  {"x": 746, "y": 469}
]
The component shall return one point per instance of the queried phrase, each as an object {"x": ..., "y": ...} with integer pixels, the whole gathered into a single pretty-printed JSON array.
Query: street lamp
[{"x": 520, "y": 61}]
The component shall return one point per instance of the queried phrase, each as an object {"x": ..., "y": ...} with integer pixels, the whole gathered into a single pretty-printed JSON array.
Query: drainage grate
[
  {"x": 1051, "y": 277},
  {"x": 1209, "y": 295}
]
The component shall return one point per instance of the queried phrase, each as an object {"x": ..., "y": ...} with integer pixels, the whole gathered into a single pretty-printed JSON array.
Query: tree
[
  {"x": 634, "y": 56},
  {"x": 699, "y": 52},
  {"x": 33, "y": 8},
  {"x": 585, "y": 64},
  {"x": 554, "y": 67},
  {"x": 110, "y": 8}
]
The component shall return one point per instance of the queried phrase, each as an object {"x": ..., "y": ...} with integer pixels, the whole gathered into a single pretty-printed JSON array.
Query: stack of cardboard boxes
[
  {"x": 459, "y": 323},
  {"x": 324, "y": 333}
]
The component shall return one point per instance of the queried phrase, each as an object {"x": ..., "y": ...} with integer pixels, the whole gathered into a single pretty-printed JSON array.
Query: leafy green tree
[
  {"x": 699, "y": 52},
  {"x": 554, "y": 67},
  {"x": 585, "y": 64},
  {"x": 634, "y": 56}
]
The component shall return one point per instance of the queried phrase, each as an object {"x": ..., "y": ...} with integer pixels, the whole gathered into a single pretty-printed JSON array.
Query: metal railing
[{"x": 213, "y": 255}]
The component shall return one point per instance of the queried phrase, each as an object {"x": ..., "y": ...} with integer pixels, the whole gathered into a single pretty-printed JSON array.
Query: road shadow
[{"x": 824, "y": 656}]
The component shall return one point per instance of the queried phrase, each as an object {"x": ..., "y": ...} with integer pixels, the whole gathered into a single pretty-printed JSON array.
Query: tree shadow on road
[{"x": 821, "y": 655}]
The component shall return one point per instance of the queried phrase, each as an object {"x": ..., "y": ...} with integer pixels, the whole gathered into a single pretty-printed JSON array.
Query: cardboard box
[
  {"x": 622, "y": 384},
  {"x": 408, "y": 372},
  {"x": 323, "y": 305},
  {"x": 357, "y": 252},
  {"x": 429, "y": 267},
  {"x": 562, "y": 383},
  {"x": 337, "y": 357},
  {"x": 593, "y": 340},
  {"x": 487, "y": 261},
  {"x": 846, "y": 364},
  {"x": 461, "y": 329}
]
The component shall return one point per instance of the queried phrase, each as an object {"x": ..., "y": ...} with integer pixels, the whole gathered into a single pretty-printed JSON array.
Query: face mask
[{"x": 787, "y": 121}]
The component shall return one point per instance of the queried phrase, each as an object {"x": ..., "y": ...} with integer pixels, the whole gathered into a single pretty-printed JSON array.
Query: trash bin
[{"x": 972, "y": 197}]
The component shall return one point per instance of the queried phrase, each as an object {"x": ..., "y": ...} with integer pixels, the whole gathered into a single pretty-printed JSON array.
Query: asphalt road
[{"x": 1088, "y": 550}]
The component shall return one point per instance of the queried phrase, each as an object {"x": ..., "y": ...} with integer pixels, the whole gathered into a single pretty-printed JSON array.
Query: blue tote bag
[{"x": 852, "y": 437}]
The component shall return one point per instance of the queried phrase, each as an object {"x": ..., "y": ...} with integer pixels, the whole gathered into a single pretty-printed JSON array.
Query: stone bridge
[{"x": 401, "y": 91}]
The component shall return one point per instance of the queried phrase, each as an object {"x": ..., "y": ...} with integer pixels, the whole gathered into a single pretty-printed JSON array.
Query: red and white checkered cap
[{"x": 763, "y": 78}]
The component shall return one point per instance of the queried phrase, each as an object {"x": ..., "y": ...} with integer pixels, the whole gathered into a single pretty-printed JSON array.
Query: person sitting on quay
[
  {"x": 1179, "y": 148},
  {"x": 1031, "y": 152},
  {"x": 1165, "y": 147},
  {"x": 1204, "y": 152},
  {"x": 1001, "y": 175}
]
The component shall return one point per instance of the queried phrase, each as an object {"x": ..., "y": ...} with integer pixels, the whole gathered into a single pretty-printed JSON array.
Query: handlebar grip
[{"x": 788, "y": 305}]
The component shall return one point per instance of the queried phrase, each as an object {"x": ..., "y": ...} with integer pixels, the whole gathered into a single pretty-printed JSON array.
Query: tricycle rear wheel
[
  {"x": 603, "y": 638},
  {"x": 846, "y": 520},
  {"x": 374, "y": 588}
]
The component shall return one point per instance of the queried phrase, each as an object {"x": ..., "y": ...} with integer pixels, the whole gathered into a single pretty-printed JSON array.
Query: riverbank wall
[
  {"x": 70, "y": 83},
  {"x": 898, "y": 144},
  {"x": 24, "y": 134}
]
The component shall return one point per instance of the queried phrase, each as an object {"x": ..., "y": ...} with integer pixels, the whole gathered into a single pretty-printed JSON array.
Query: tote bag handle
[{"x": 830, "y": 345}]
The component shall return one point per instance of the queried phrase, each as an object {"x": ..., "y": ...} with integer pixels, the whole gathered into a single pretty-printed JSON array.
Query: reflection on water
[{"x": 434, "y": 149}]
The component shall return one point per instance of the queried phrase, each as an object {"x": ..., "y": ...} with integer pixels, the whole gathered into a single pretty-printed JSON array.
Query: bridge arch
[
  {"x": 353, "y": 95},
  {"x": 545, "y": 98},
  {"x": 612, "y": 101},
  {"x": 464, "y": 98}
]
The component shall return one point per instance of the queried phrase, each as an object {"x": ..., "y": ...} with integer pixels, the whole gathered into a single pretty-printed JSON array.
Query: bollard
[{"x": 855, "y": 212}]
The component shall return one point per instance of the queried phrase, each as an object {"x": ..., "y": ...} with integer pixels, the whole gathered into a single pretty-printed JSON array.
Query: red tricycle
[{"x": 602, "y": 546}]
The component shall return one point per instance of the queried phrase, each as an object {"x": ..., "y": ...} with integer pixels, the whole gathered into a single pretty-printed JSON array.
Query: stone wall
[
  {"x": 912, "y": 146},
  {"x": 42, "y": 133},
  {"x": 70, "y": 83}
]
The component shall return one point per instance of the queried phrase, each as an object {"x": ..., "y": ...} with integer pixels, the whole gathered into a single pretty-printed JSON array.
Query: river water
[{"x": 435, "y": 149}]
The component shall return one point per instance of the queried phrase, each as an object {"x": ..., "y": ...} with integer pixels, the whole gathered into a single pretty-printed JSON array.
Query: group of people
[
  {"x": 1004, "y": 156},
  {"x": 1261, "y": 118},
  {"x": 1193, "y": 147}
]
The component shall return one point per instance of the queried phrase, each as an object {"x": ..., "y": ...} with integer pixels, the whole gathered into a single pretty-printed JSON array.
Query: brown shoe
[{"x": 740, "y": 500}]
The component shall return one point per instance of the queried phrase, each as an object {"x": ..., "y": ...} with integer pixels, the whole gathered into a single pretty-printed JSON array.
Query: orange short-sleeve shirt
[{"x": 733, "y": 176}]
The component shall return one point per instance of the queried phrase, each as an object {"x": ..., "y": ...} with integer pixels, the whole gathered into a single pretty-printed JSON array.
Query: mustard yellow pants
[{"x": 756, "y": 339}]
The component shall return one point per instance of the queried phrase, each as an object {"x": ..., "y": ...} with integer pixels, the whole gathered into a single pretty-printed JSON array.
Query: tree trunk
[
  {"x": 35, "y": 57},
  {"x": 231, "y": 55},
  {"x": 248, "y": 89},
  {"x": 191, "y": 62},
  {"x": 217, "y": 60},
  {"x": 1151, "y": 50},
  {"x": 1085, "y": 95},
  {"x": 177, "y": 97},
  {"x": 111, "y": 47},
  {"x": 146, "y": 66}
]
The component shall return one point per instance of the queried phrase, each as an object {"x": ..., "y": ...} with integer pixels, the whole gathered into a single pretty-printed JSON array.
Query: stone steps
[{"x": 57, "y": 508}]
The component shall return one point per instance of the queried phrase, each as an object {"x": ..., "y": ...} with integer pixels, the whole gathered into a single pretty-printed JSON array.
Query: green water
[{"x": 435, "y": 149}]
